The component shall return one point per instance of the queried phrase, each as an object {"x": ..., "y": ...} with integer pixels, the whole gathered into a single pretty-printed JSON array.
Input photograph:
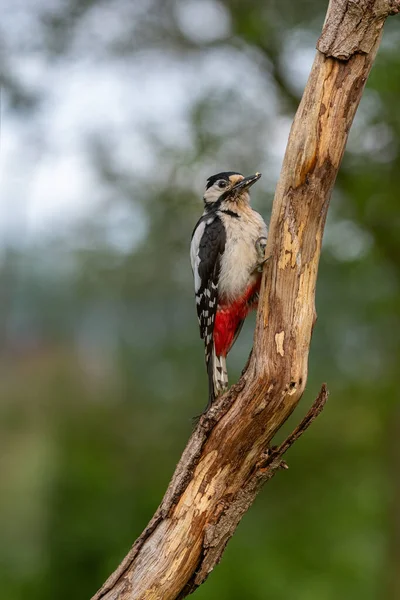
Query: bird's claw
[
  {"x": 261, "y": 244},
  {"x": 261, "y": 264}
]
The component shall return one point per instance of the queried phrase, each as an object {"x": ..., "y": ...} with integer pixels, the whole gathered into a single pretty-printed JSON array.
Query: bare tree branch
[{"x": 227, "y": 459}]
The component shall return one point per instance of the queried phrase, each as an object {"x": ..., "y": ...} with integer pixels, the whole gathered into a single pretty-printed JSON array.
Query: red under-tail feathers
[{"x": 230, "y": 316}]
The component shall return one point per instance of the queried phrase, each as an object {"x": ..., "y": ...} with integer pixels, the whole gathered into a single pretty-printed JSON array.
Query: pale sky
[{"x": 46, "y": 179}]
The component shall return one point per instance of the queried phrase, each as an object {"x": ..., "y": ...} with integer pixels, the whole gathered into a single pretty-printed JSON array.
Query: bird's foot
[
  {"x": 261, "y": 244},
  {"x": 261, "y": 264}
]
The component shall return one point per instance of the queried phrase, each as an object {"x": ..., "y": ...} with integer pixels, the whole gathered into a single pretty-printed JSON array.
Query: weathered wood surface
[{"x": 226, "y": 460}]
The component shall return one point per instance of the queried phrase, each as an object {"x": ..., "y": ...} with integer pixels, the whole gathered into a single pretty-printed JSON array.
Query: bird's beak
[{"x": 247, "y": 182}]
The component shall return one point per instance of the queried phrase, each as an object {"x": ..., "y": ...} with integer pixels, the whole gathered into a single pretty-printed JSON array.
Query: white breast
[{"x": 240, "y": 256}]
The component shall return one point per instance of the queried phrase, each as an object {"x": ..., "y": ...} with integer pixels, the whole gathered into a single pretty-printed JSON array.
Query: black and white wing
[{"x": 206, "y": 249}]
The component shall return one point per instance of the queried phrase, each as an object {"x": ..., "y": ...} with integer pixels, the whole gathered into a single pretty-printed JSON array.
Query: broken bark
[{"x": 227, "y": 460}]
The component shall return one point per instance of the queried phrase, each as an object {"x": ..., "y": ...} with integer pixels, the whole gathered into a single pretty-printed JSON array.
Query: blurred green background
[{"x": 113, "y": 115}]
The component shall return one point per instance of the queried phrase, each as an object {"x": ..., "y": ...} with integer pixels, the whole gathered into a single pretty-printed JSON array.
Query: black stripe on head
[{"x": 224, "y": 175}]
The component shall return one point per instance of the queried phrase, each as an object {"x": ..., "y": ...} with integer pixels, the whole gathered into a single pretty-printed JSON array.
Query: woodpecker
[{"x": 227, "y": 253}]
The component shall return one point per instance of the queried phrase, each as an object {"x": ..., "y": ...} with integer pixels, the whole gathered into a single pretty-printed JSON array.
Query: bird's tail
[{"x": 217, "y": 376}]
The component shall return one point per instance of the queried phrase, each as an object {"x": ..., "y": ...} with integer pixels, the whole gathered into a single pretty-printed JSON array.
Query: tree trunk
[{"x": 227, "y": 459}]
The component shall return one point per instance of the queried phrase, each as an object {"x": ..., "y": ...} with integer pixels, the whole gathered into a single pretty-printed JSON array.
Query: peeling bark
[{"x": 227, "y": 459}]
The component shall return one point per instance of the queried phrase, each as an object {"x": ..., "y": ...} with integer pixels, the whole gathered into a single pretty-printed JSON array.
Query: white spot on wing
[{"x": 194, "y": 254}]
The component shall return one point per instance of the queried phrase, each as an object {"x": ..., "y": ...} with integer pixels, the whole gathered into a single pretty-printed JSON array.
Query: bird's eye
[{"x": 222, "y": 183}]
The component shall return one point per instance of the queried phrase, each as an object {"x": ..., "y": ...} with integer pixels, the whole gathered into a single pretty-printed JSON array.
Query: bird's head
[{"x": 229, "y": 186}]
